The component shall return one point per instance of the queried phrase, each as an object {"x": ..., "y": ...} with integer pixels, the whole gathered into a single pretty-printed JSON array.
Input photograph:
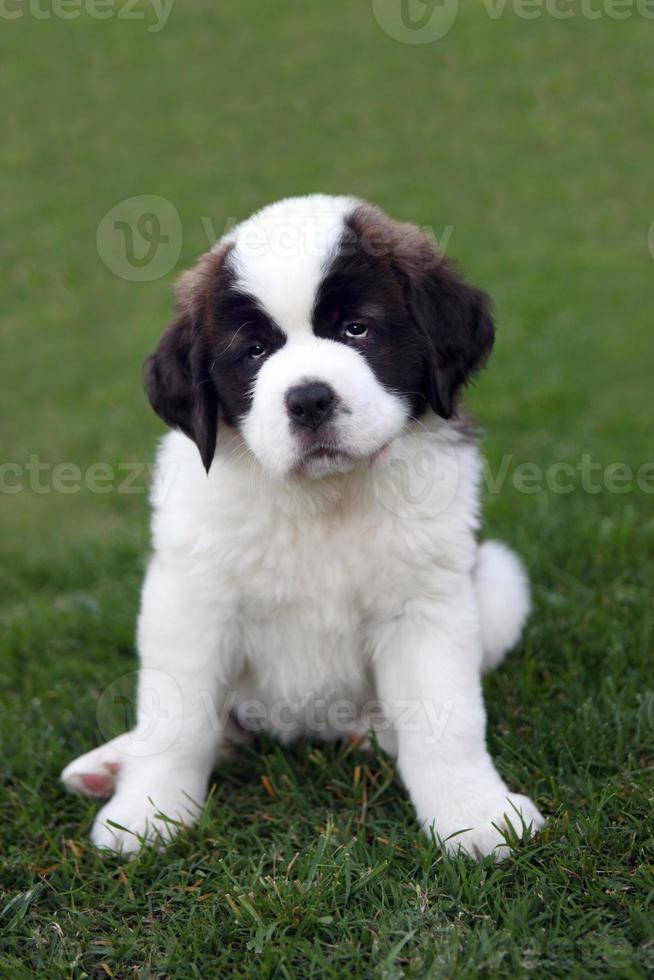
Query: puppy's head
[{"x": 318, "y": 328}]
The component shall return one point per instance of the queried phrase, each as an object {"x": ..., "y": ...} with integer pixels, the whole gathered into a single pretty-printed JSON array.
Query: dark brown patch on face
[
  {"x": 428, "y": 330},
  {"x": 241, "y": 336},
  {"x": 208, "y": 358},
  {"x": 360, "y": 290}
]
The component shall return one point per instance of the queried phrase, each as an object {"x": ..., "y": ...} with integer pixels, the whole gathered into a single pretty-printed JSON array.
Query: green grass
[{"x": 533, "y": 140}]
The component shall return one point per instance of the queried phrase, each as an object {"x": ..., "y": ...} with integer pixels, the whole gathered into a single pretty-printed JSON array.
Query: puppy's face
[{"x": 318, "y": 328}]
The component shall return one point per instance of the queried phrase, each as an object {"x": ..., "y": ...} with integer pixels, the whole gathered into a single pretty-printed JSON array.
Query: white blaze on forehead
[{"x": 281, "y": 254}]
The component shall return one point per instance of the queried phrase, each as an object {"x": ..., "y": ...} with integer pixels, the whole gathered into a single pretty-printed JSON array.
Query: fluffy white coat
[{"x": 322, "y": 598}]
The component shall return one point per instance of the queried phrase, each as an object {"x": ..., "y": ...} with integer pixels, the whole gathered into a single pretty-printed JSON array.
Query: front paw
[
  {"x": 135, "y": 817},
  {"x": 488, "y": 827}
]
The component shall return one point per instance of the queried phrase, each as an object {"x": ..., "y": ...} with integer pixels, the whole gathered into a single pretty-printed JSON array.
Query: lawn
[{"x": 528, "y": 145}]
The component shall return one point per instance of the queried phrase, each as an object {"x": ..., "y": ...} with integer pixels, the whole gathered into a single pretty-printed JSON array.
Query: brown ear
[
  {"x": 454, "y": 318},
  {"x": 180, "y": 389},
  {"x": 456, "y": 321},
  {"x": 177, "y": 376}
]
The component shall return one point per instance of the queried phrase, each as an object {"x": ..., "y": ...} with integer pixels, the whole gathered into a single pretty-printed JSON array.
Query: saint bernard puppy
[{"x": 316, "y": 567}]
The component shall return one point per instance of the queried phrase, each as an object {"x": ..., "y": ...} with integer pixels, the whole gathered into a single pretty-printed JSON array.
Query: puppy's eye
[
  {"x": 256, "y": 352},
  {"x": 357, "y": 330}
]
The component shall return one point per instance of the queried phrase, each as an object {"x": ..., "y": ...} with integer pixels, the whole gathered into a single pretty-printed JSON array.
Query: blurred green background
[{"x": 527, "y": 144}]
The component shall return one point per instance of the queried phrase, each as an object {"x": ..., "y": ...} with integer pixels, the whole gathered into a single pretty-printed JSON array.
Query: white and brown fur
[{"x": 294, "y": 570}]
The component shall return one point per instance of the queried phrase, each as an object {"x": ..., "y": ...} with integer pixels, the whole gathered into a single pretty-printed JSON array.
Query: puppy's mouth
[
  {"x": 325, "y": 452},
  {"x": 319, "y": 456},
  {"x": 324, "y": 457},
  {"x": 322, "y": 451}
]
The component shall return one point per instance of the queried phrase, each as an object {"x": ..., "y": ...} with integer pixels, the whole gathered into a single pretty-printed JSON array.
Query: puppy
[{"x": 316, "y": 569}]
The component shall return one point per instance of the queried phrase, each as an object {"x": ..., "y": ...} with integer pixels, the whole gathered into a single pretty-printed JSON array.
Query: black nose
[{"x": 310, "y": 404}]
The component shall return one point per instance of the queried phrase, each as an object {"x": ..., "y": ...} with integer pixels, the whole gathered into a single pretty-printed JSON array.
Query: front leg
[
  {"x": 159, "y": 771},
  {"x": 428, "y": 673}
]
